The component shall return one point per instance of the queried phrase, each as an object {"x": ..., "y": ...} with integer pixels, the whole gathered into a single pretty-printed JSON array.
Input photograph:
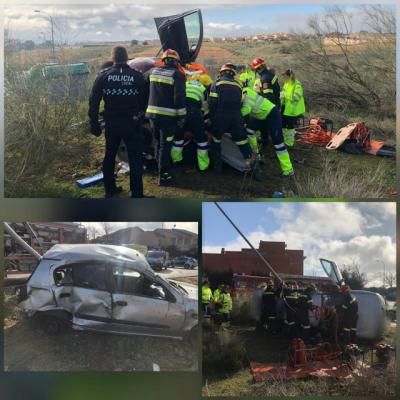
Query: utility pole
[{"x": 53, "y": 48}]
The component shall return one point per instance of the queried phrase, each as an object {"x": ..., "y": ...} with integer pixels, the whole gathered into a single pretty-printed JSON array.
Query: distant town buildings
[
  {"x": 180, "y": 239},
  {"x": 272, "y": 37}
]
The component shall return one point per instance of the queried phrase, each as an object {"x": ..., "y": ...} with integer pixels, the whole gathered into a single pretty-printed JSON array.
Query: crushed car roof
[{"x": 94, "y": 252}]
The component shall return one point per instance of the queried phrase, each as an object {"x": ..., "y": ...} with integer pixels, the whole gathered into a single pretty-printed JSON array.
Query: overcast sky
[
  {"x": 101, "y": 22},
  {"x": 364, "y": 233},
  {"x": 98, "y": 227}
]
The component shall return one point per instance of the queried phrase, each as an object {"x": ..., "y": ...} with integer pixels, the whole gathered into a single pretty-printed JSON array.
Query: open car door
[
  {"x": 183, "y": 33},
  {"x": 332, "y": 271}
]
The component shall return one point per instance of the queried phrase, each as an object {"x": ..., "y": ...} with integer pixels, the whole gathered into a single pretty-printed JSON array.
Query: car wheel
[{"x": 51, "y": 325}]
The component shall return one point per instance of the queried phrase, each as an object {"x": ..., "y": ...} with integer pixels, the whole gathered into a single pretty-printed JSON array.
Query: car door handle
[
  {"x": 64, "y": 295},
  {"x": 121, "y": 303}
]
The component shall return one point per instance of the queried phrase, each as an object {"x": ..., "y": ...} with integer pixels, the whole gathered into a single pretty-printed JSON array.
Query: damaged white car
[{"x": 110, "y": 289}]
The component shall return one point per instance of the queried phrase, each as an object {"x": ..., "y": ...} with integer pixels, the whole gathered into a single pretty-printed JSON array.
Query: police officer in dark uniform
[
  {"x": 349, "y": 311},
  {"x": 124, "y": 92},
  {"x": 224, "y": 104},
  {"x": 166, "y": 109},
  {"x": 269, "y": 86}
]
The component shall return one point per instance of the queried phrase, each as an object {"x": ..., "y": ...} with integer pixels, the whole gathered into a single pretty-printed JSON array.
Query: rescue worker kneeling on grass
[
  {"x": 304, "y": 305},
  {"x": 196, "y": 96},
  {"x": 292, "y": 105},
  {"x": 349, "y": 311},
  {"x": 269, "y": 85},
  {"x": 290, "y": 298},
  {"x": 166, "y": 109},
  {"x": 206, "y": 296},
  {"x": 124, "y": 92},
  {"x": 224, "y": 108},
  {"x": 263, "y": 115},
  {"x": 225, "y": 306}
]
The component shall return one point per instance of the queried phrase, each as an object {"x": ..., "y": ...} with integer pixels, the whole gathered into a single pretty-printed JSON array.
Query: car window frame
[
  {"x": 169, "y": 297},
  {"x": 75, "y": 263}
]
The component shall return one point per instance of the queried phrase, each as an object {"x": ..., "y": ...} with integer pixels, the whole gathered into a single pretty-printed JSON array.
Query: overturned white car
[{"x": 110, "y": 289}]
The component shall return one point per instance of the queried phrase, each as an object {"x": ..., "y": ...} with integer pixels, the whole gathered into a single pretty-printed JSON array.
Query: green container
[
  {"x": 60, "y": 82},
  {"x": 60, "y": 70}
]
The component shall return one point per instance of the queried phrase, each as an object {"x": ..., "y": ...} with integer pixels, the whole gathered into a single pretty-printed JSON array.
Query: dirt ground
[
  {"x": 263, "y": 348},
  {"x": 27, "y": 348}
]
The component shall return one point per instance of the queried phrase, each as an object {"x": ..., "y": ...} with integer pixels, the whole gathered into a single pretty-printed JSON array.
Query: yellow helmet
[{"x": 205, "y": 79}]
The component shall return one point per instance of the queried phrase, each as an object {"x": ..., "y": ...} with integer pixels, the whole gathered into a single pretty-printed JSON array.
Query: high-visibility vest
[
  {"x": 206, "y": 294},
  {"x": 195, "y": 91},
  {"x": 216, "y": 295},
  {"x": 248, "y": 78},
  {"x": 226, "y": 302},
  {"x": 257, "y": 106},
  {"x": 292, "y": 98}
]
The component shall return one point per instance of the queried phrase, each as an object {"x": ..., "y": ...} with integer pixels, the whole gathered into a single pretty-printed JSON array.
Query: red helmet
[
  {"x": 257, "y": 63},
  {"x": 228, "y": 67},
  {"x": 169, "y": 53}
]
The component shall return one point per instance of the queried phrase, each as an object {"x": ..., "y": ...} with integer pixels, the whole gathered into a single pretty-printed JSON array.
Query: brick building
[{"x": 282, "y": 260}]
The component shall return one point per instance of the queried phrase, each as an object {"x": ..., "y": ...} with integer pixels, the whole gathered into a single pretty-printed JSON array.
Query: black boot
[
  {"x": 112, "y": 193},
  {"x": 165, "y": 179}
]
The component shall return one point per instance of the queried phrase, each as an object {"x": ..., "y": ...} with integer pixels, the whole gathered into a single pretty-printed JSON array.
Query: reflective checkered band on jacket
[{"x": 120, "y": 92}]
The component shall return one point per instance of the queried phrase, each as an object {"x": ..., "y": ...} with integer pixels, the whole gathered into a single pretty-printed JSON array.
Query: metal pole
[
  {"x": 268, "y": 265},
  {"x": 33, "y": 233},
  {"x": 53, "y": 53},
  {"x": 22, "y": 242}
]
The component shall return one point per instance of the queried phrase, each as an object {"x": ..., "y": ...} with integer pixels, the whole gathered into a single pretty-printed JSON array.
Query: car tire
[{"x": 52, "y": 326}]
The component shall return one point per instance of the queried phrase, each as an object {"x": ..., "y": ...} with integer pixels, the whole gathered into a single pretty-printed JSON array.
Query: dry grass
[
  {"x": 336, "y": 179},
  {"x": 381, "y": 384}
]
